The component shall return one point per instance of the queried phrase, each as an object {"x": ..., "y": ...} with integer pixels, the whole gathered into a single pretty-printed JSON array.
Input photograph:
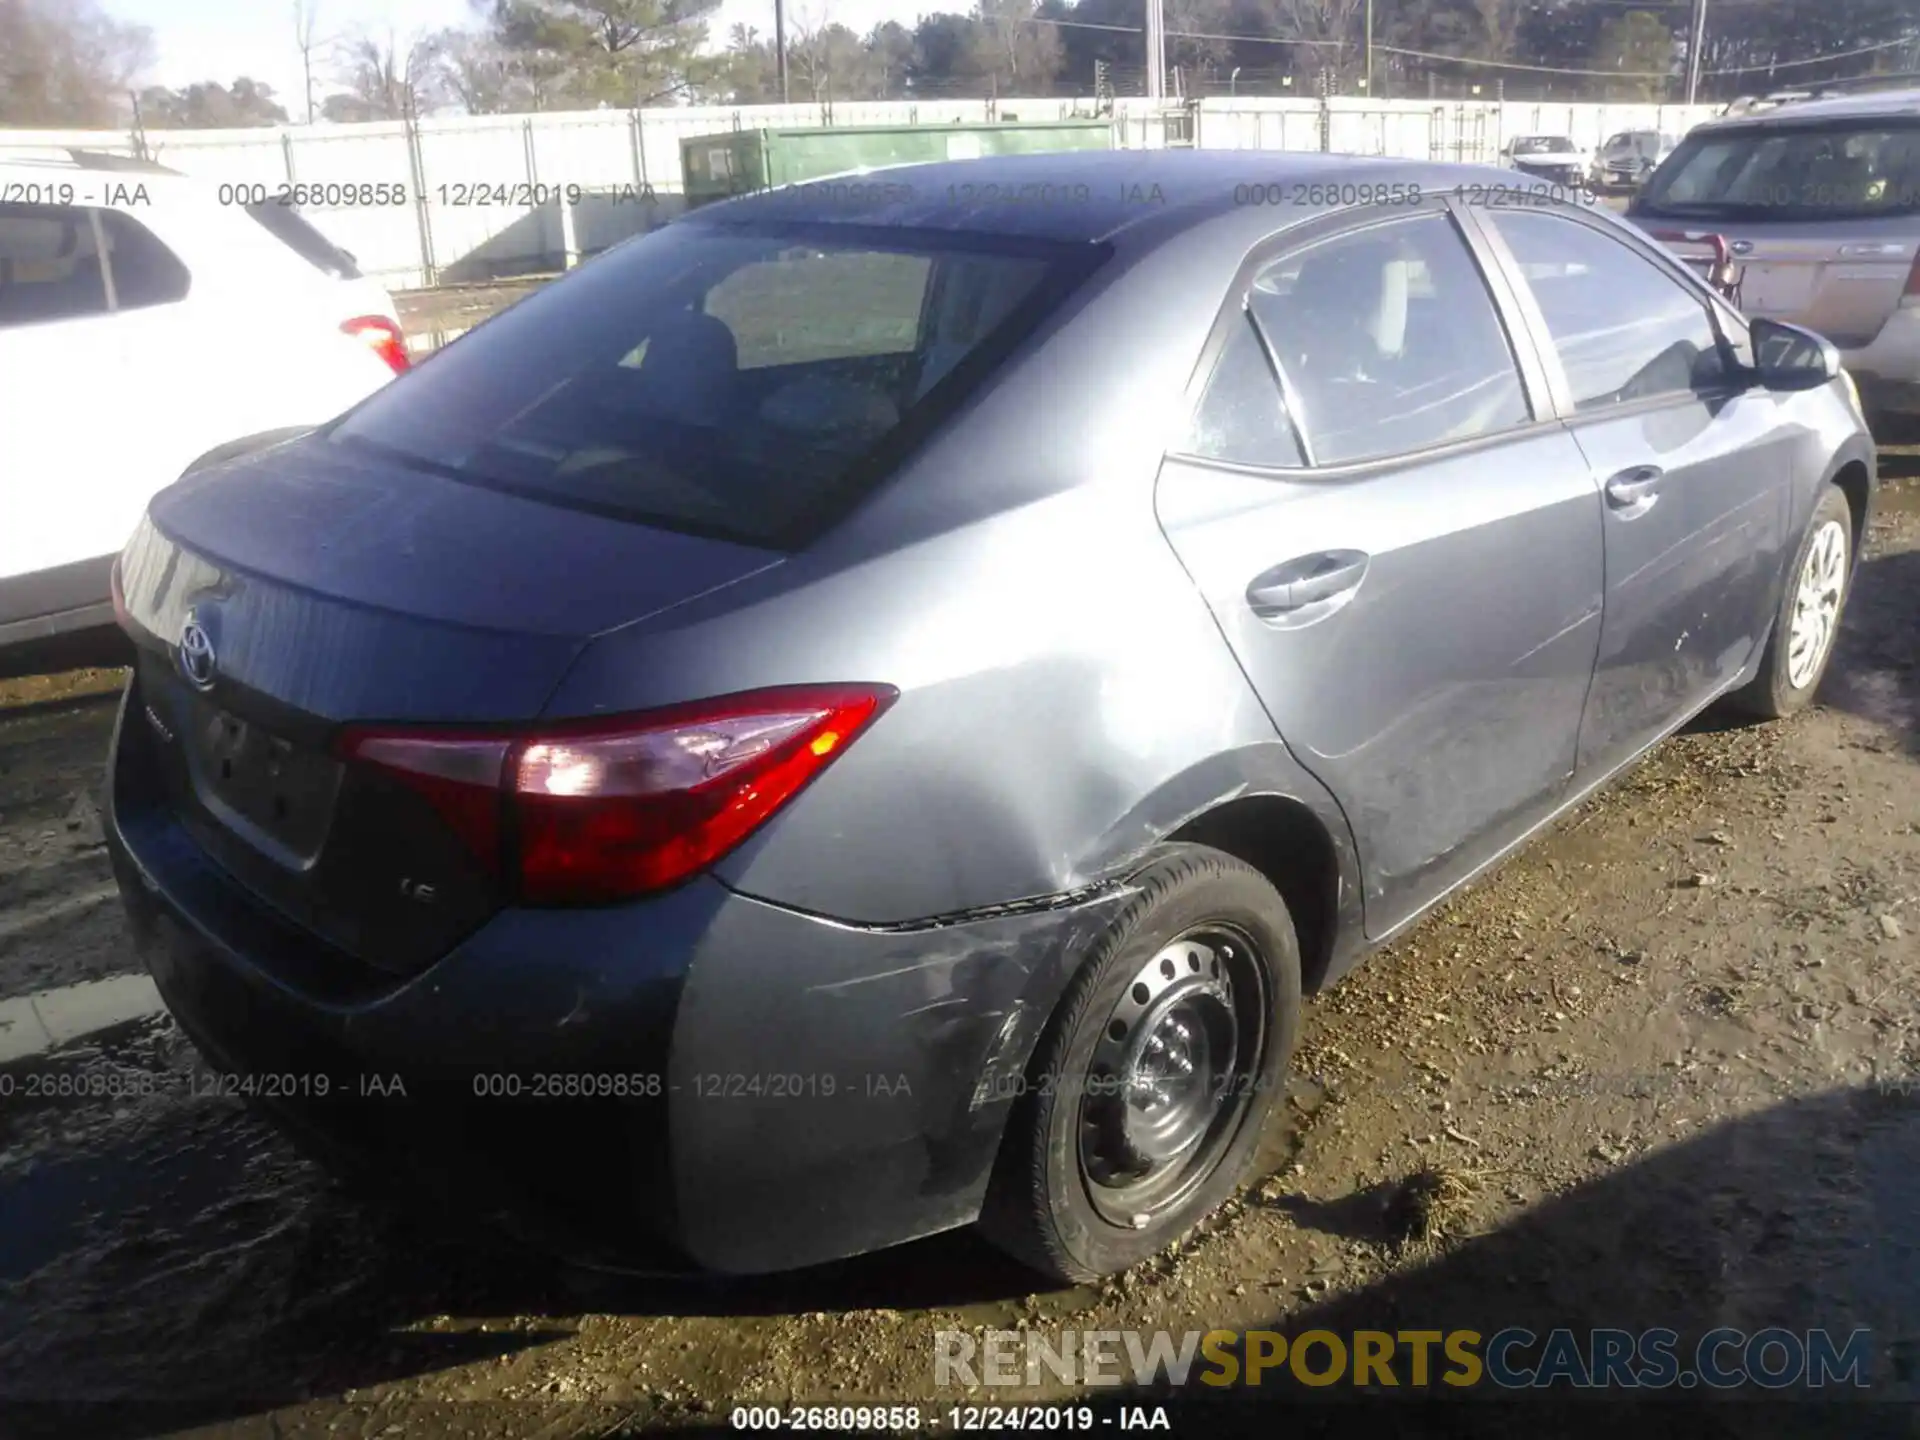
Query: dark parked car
[{"x": 864, "y": 710}]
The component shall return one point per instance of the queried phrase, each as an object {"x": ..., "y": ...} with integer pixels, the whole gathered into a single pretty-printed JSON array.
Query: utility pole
[
  {"x": 1696, "y": 42},
  {"x": 780, "y": 44},
  {"x": 1369, "y": 47},
  {"x": 1156, "y": 51}
]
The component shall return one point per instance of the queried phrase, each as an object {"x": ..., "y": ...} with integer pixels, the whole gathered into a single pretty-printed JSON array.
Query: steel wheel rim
[
  {"x": 1816, "y": 604},
  {"x": 1173, "y": 1074}
]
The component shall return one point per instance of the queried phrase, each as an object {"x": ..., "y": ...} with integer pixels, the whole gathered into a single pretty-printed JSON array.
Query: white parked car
[
  {"x": 143, "y": 326},
  {"x": 1552, "y": 158}
]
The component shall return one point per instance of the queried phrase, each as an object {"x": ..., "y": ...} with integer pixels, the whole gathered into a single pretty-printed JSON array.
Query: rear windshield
[
  {"x": 1792, "y": 172},
  {"x": 293, "y": 229},
  {"x": 744, "y": 382}
]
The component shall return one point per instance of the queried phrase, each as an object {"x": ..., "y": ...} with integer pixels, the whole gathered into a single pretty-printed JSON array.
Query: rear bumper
[
  {"x": 701, "y": 1080},
  {"x": 1887, "y": 369}
]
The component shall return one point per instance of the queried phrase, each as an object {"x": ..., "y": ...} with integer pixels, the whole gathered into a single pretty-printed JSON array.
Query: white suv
[{"x": 143, "y": 326}]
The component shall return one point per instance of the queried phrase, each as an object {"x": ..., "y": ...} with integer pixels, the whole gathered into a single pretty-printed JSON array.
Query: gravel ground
[{"x": 1662, "y": 1068}]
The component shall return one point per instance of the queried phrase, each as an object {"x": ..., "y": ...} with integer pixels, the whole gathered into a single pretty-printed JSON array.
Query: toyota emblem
[
  {"x": 196, "y": 655},
  {"x": 1741, "y": 247}
]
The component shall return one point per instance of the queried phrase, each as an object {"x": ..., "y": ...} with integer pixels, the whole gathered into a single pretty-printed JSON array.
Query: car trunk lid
[{"x": 280, "y": 597}]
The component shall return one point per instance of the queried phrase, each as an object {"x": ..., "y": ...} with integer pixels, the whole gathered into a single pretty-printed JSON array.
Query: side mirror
[{"x": 1785, "y": 357}]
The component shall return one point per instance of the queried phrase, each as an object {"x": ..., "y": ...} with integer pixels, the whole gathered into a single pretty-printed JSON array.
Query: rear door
[
  {"x": 1694, "y": 467},
  {"x": 1398, "y": 540}
]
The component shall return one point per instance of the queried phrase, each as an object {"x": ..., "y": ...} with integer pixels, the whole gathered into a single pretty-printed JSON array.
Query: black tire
[
  {"x": 1043, "y": 1206},
  {"x": 1771, "y": 693}
]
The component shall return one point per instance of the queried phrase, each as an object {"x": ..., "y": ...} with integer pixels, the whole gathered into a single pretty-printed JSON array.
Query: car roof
[
  {"x": 1871, "y": 105},
  {"x": 101, "y": 175},
  {"x": 1087, "y": 195}
]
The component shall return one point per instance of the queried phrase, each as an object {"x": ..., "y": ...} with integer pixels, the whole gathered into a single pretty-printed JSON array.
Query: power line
[
  {"x": 1913, "y": 40},
  {"x": 1487, "y": 64},
  {"x": 1515, "y": 65}
]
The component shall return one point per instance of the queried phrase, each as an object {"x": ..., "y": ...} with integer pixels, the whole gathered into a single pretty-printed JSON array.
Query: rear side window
[
  {"x": 144, "y": 271},
  {"x": 739, "y": 381},
  {"x": 298, "y": 234},
  {"x": 1623, "y": 328},
  {"x": 1243, "y": 415},
  {"x": 1389, "y": 341},
  {"x": 49, "y": 265},
  {"x": 1792, "y": 172},
  {"x": 52, "y": 266}
]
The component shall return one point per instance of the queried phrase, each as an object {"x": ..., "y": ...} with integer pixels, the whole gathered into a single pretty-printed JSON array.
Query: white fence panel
[{"x": 452, "y": 172}]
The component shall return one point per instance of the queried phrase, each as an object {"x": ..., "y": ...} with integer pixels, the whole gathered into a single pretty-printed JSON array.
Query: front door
[{"x": 1694, "y": 470}]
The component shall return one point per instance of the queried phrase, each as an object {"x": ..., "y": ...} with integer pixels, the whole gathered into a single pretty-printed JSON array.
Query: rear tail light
[
  {"x": 384, "y": 338},
  {"x": 590, "y": 812}
]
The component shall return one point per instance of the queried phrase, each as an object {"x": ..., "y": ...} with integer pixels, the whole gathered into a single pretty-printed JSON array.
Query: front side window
[
  {"x": 732, "y": 380},
  {"x": 1390, "y": 341},
  {"x": 49, "y": 265},
  {"x": 1623, "y": 328}
]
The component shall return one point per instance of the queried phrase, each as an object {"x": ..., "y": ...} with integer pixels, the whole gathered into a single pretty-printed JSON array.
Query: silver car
[
  {"x": 1629, "y": 157},
  {"x": 1821, "y": 203},
  {"x": 882, "y": 697}
]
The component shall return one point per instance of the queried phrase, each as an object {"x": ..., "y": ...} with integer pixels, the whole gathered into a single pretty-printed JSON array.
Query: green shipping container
[{"x": 737, "y": 162}]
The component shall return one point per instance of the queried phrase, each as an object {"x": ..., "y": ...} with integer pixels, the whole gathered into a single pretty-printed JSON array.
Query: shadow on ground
[
  {"x": 1802, "y": 1215},
  {"x": 1875, "y": 672}
]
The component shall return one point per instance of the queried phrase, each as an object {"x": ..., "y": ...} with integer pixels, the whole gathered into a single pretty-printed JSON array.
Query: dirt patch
[
  {"x": 1661, "y": 1068},
  {"x": 40, "y": 692}
]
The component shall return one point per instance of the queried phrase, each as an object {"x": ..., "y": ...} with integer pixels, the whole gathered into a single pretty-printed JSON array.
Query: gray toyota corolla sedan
[{"x": 863, "y": 711}]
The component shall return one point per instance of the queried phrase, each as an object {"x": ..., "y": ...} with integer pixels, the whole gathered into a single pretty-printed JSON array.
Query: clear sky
[{"x": 224, "y": 39}]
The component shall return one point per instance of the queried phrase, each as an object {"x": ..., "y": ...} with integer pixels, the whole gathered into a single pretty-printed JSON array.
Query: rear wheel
[
  {"x": 1808, "y": 621},
  {"x": 1151, "y": 1086}
]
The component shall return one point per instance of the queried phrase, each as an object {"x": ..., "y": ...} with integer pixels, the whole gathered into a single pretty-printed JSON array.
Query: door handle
[
  {"x": 1635, "y": 489},
  {"x": 1309, "y": 580}
]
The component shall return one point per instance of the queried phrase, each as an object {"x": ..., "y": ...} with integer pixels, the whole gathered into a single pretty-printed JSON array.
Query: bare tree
[
  {"x": 1324, "y": 23},
  {"x": 385, "y": 78},
  {"x": 1501, "y": 21},
  {"x": 64, "y": 62},
  {"x": 823, "y": 56},
  {"x": 1018, "y": 54},
  {"x": 482, "y": 76},
  {"x": 306, "y": 24}
]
